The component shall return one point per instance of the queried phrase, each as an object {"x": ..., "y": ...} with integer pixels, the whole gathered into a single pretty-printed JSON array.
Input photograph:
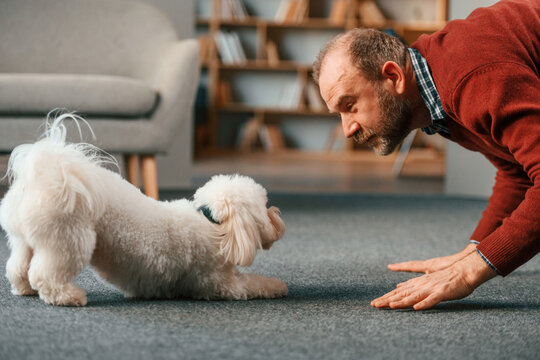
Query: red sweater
[{"x": 486, "y": 70}]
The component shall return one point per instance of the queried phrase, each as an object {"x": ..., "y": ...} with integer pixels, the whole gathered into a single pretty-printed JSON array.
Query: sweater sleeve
[
  {"x": 500, "y": 103},
  {"x": 511, "y": 184}
]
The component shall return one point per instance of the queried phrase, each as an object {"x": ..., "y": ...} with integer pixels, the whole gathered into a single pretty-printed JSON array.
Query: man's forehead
[
  {"x": 337, "y": 60},
  {"x": 333, "y": 71}
]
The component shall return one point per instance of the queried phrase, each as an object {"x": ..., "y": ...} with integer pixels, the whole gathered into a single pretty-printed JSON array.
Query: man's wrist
[
  {"x": 469, "y": 249},
  {"x": 475, "y": 270}
]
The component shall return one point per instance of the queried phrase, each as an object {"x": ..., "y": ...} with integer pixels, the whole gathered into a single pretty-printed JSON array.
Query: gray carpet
[{"x": 333, "y": 257}]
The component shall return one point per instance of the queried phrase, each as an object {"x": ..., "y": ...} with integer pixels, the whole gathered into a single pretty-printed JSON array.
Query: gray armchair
[{"x": 118, "y": 63}]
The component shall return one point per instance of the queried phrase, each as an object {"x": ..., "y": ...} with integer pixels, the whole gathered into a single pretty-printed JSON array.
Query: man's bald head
[{"x": 368, "y": 50}]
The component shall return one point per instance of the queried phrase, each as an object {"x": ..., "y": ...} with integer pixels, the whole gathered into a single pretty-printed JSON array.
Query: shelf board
[
  {"x": 202, "y": 21},
  {"x": 242, "y": 108},
  {"x": 323, "y": 23},
  {"x": 249, "y": 21},
  {"x": 263, "y": 65},
  {"x": 311, "y": 23}
]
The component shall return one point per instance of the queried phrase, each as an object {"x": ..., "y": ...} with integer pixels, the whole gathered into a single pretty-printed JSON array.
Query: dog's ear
[
  {"x": 241, "y": 237},
  {"x": 277, "y": 228}
]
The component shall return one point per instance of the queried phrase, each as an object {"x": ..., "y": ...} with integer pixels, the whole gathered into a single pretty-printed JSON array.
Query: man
[{"x": 476, "y": 82}]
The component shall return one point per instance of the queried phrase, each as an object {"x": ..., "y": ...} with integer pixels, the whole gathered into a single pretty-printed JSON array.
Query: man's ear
[{"x": 393, "y": 78}]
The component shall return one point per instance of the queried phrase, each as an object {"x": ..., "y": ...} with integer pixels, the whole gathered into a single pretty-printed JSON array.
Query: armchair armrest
[{"x": 175, "y": 77}]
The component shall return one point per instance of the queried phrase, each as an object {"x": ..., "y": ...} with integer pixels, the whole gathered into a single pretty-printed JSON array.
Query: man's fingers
[
  {"x": 393, "y": 296},
  {"x": 408, "y": 301},
  {"x": 402, "y": 290},
  {"x": 405, "y": 294},
  {"x": 428, "y": 302},
  {"x": 383, "y": 300},
  {"x": 411, "y": 266}
]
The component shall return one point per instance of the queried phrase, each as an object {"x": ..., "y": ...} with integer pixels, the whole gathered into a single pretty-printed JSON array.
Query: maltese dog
[{"x": 64, "y": 210}]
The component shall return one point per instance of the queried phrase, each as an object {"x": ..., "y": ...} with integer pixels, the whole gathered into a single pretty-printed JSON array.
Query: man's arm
[
  {"x": 499, "y": 103},
  {"x": 505, "y": 108},
  {"x": 511, "y": 184}
]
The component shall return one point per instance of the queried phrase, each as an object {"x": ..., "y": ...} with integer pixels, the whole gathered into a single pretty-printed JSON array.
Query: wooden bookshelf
[{"x": 265, "y": 57}]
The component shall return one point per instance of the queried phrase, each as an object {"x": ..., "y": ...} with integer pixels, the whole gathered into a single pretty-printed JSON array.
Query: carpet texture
[{"x": 333, "y": 258}]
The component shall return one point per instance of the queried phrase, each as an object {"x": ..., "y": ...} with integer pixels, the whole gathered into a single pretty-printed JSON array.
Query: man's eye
[{"x": 348, "y": 107}]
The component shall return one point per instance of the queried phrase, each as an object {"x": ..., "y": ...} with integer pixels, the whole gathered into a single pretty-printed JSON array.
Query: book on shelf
[
  {"x": 291, "y": 11},
  {"x": 223, "y": 49},
  {"x": 335, "y": 137},
  {"x": 272, "y": 55},
  {"x": 254, "y": 132},
  {"x": 248, "y": 134},
  {"x": 370, "y": 13},
  {"x": 291, "y": 97},
  {"x": 338, "y": 12},
  {"x": 229, "y": 47},
  {"x": 240, "y": 9},
  {"x": 238, "y": 51},
  {"x": 204, "y": 45},
  {"x": 314, "y": 99},
  {"x": 282, "y": 10},
  {"x": 224, "y": 93},
  {"x": 233, "y": 10},
  {"x": 271, "y": 137},
  {"x": 301, "y": 11}
]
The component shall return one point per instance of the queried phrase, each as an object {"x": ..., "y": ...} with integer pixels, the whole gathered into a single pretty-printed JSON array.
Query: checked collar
[
  {"x": 205, "y": 210},
  {"x": 430, "y": 95}
]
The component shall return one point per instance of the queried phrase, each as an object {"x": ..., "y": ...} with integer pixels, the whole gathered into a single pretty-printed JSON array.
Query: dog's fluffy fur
[{"x": 64, "y": 210}]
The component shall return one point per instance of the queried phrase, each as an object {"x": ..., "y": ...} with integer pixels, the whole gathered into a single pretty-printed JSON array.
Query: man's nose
[{"x": 350, "y": 127}]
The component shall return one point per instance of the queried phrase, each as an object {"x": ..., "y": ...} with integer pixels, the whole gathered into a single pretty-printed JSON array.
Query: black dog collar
[{"x": 207, "y": 214}]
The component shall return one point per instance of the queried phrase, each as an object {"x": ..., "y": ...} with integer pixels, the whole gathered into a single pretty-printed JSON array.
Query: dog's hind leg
[
  {"x": 21, "y": 253},
  {"x": 58, "y": 259},
  {"x": 17, "y": 266}
]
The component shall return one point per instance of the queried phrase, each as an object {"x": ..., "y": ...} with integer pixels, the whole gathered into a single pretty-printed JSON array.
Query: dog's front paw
[
  {"x": 276, "y": 288},
  {"x": 68, "y": 295},
  {"x": 259, "y": 287}
]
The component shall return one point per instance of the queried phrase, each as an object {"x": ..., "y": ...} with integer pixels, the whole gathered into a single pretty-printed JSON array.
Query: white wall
[{"x": 467, "y": 173}]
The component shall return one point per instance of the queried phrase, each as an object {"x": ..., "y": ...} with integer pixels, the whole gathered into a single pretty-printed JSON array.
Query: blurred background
[{"x": 256, "y": 110}]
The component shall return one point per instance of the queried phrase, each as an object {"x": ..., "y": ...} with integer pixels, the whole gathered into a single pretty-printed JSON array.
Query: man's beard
[{"x": 394, "y": 124}]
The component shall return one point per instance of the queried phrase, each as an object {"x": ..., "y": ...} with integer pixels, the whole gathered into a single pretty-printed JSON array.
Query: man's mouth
[
  {"x": 367, "y": 139},
  {"x": 371, "y": 140}
]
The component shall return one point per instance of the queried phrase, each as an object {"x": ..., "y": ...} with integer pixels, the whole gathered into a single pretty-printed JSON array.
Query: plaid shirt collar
[{"x": 429, "y": 94}]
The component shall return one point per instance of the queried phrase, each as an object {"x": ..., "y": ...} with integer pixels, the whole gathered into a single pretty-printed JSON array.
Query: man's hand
[
  {"x": 432, "y": 265},
  {"x": 454, "y": 282}
]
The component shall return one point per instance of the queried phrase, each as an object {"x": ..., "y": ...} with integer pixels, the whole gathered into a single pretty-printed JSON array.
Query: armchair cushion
[{"x": 94, "y": 95}]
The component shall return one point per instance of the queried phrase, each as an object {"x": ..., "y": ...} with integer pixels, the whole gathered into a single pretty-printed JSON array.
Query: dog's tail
[{"x": 61, "y": 173}]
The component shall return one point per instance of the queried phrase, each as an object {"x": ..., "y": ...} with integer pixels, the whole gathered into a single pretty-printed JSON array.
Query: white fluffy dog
[{"x": 64, "y": 211}]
